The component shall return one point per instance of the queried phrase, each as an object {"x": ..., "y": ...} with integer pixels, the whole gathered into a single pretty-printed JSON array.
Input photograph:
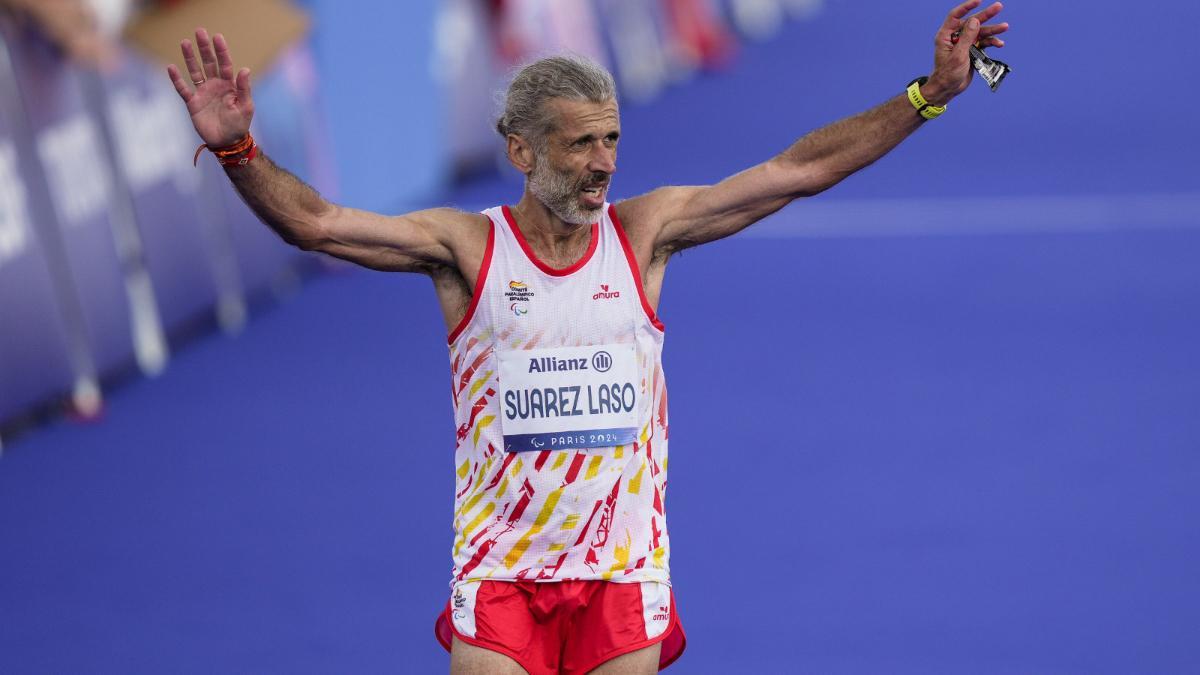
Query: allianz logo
[
  {"x": 601, "y": 361},
  {"x": 547, "y": 364}
]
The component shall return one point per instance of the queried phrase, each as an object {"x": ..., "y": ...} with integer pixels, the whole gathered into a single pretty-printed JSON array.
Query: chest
[
  {"x": 585, "y": 307},
  {"x": 531, "y": 304}
]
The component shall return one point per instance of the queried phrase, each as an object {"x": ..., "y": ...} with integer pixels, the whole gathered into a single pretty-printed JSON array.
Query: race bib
[{"x": 568, "y": 397}]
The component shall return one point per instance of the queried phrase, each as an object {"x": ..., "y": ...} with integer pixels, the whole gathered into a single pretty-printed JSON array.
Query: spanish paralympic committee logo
[
  {"x": 460, "y": 604},
  {"x": 518, "y": 296}
]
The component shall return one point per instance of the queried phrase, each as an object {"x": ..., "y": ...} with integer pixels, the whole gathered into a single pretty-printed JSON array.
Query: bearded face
[{"x": 576, "y": 198}]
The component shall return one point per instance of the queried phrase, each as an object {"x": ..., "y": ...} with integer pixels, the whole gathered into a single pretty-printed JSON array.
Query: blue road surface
[{"x": 943, "y": 419}]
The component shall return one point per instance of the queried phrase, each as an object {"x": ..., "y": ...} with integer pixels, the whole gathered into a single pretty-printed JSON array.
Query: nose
[{"x": 603, "y": 160}]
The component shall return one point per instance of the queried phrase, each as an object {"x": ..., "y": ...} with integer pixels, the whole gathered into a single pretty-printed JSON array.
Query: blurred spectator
[
  {"x": 73, "y": 26},
  {"x": 527, "y": 29},
  {"x": 700, "y": 38}
]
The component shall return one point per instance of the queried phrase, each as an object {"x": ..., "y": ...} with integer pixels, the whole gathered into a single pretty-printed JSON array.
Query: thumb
[{"x": 970, "y": 33}]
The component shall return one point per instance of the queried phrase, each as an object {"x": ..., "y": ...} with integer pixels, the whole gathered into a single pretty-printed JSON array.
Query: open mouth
[
  {"x": 592, "y": 197},
  {"x": 594, "y": 193}
]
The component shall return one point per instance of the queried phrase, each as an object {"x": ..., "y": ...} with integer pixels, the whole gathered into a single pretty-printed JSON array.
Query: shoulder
[
  {"x": 451, "y": 227},
  {"x": 440, "y": 237},
  {"x": 466, "y": 234},
  {"x": 644, "y": 217},
  {"x": 653, "y": 206},
  {"x": 452, "y": 220}
]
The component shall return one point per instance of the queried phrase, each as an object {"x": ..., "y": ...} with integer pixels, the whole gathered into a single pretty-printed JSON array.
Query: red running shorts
[{"x": 563, "y": 626}]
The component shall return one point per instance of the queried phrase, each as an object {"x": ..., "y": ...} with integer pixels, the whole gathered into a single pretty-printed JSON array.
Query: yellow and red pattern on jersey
[{"x": 576, "y": 513}]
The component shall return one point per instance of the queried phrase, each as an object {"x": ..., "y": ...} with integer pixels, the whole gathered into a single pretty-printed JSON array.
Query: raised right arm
[
  {"x": 415, "y": 242},
  {"x": 221, "y": 108}
]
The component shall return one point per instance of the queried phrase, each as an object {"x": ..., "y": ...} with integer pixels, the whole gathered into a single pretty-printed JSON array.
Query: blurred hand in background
[{"x": 73, "y": 26}]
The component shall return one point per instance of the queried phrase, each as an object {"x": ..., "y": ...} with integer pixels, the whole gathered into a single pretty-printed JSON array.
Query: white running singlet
[{"x": 561, "y": 409}]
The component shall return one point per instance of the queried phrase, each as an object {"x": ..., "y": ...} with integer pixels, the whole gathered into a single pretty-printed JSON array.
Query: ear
[{"x": 520, "y": 154}]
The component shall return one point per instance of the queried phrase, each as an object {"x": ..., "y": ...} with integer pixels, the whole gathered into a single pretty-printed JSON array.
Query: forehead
[{"x": 581, "y": 117}]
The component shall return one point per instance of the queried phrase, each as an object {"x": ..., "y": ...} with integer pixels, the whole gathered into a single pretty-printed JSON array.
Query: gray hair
[{"x": 571, "y": 77}]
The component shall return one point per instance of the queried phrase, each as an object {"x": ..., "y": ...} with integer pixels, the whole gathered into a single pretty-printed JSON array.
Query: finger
[
  {"x": 956, "y": 14},
  {"x": 992, "y": 42},
  {"x": 989, "y": 12},
  {"x": 224, "y": 59},
  {"x": 970, "y": 33},
  {"x": 189, "y": 60},
  {"x": 243, "y": 84},
  {"x": 207, "y": 56},
  {"x": 994, "y": 29},
  {"x": 954, "y": 22},
  {"x": 185, "y": 92}
]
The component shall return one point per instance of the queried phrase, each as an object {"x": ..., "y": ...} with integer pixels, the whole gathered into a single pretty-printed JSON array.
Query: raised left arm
[{"x": 680, "y": 217}]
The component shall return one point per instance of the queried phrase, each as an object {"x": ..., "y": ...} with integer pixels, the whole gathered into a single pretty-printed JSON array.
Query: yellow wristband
[{"x": 918, "y": 101}]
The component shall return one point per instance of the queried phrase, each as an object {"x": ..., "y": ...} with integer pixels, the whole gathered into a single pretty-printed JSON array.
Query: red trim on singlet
[
  {"x": 633, "y": 267},
  {"x": 479, "y": 281},
  {"x": 512, "y": 223}
]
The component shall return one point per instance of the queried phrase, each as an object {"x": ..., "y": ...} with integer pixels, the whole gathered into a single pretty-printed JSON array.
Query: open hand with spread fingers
[
  {"x": 952, "y": 71},
  {"x": 218, "y": 99}
]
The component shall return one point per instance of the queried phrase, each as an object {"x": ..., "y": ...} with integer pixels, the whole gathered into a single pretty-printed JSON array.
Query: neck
[{"x": 550, "y": 236}]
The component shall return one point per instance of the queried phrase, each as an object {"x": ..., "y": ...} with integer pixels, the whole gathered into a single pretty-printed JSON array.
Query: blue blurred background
[{"x": 942, "y": 419}]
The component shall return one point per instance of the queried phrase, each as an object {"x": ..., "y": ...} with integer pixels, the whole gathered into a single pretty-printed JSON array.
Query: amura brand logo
[{"x": 606, "y": 294}]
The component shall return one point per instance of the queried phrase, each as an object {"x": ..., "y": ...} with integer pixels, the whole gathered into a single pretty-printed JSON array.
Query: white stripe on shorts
[
  {"x": 656, "y": 607},
  {"x": 462, "y": 608}
]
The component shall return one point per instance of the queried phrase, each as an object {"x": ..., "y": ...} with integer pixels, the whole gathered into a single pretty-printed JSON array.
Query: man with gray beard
[{"x": 561, "y": 548}]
